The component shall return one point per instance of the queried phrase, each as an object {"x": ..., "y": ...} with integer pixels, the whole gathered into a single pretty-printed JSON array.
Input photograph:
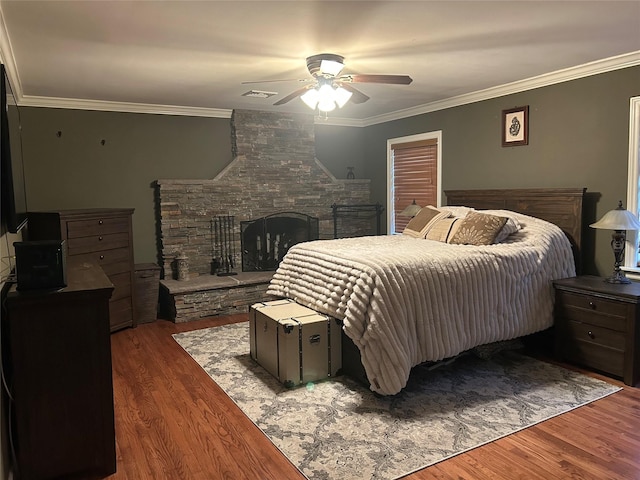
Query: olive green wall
[
  {"x": 341, "y": 147},
  {"x": 578, "y": 137},
  {"x": 75, "y": 170}
]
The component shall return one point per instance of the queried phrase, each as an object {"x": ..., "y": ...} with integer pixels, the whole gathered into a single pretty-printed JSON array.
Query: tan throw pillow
[
  {"x": 512, "y": 226},
  {"x": 478, "y": 229},
  {"x": 419, "y": 225},
  {"x": 442, "y": 229}
]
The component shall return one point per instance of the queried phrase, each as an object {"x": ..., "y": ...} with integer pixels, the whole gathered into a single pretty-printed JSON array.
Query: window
[
  {"x": 632, "y": 255},
  {"x": 413, "y": 173}
]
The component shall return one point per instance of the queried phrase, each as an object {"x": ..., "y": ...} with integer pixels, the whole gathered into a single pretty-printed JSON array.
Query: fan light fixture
[
  {"x": 326, "y": 97},
  {"x": 331, "y": 88},
  {"x": 331, "y": 67}
]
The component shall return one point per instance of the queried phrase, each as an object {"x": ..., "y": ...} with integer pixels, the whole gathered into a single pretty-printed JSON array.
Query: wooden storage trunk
[{"x": 294, "y": 343}]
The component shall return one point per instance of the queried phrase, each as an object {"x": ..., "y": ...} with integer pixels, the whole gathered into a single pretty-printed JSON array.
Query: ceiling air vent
[{"x": 259, "y": 94}]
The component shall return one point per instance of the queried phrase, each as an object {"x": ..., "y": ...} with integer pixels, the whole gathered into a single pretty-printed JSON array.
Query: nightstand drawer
[
  {"x": 584, "y": 332},
  {"x": 595, "y": 356},
  {"x": 590, "y": 309}
]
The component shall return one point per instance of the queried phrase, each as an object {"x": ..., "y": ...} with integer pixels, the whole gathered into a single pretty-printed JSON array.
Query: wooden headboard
[{"x": 561, "y": 206}]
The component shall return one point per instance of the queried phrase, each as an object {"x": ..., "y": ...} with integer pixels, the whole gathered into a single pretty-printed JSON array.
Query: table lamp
[
  {"x": 411, "y": 210},
  {"x": 619, "y": 220}
]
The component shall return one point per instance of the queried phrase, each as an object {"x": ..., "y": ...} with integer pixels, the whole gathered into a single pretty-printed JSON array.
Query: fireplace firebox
[{"x": 265, "y": 241}]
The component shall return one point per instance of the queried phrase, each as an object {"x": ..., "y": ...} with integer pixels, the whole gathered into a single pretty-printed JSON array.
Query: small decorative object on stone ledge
[
  {"x": 182, "y": 267},
  {"x": 350, "y": 174}
]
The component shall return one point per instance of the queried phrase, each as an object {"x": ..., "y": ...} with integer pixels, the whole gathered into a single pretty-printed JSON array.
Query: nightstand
[{"x": 598, "y": 325}]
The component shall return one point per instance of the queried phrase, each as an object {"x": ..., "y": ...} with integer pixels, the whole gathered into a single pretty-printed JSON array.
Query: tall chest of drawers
[
  {"x": 103, "y": 236},
  {"x": 598, "y": 325}
]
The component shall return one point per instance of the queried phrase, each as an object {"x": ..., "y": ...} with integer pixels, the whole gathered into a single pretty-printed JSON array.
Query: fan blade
[
  {"x": 293, "y": 95},
  {"x": 283, "y": 80},
  {"x": 357, "y": 96},
  {"x": 392, "y": 79}
]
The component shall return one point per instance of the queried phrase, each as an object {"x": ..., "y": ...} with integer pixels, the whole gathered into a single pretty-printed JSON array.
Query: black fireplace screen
[{"x": 265, "y": 241}]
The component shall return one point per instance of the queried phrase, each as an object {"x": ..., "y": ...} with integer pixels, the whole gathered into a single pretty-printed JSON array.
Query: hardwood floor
[{"x": 174, "y": 422}]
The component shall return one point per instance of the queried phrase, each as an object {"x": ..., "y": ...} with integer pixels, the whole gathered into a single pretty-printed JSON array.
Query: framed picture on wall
[{"x": 515, "y": 126}]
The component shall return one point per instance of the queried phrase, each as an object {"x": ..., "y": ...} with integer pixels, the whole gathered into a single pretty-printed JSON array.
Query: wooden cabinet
[
  {"x": 56, "y": 350},
  {"x": 598, "y": 325},
  {"x": 100, "y": 235}
]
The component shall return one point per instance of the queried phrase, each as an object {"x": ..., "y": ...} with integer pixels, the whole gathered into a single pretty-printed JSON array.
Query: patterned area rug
[{"x": 338, "y": 429}]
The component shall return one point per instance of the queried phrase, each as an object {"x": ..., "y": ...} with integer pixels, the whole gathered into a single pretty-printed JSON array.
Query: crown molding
[
  {"x": 80, "y": 104},
  {"x": 573, "y": 73},
  {"x": 7, "y": 58}
]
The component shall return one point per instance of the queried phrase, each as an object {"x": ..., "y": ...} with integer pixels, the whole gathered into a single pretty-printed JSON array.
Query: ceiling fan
[{"x": 328, "y": 89}]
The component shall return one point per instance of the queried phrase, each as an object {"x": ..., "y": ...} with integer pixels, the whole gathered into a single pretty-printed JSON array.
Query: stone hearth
[{"x": 211, "y": 295}]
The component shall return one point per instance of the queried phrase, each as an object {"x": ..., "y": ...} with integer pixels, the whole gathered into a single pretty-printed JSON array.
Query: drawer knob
[
  {"x": 100, "y": 238},
  {"x": 100, "y": 222},
  {"x": 101, "y": 257},
  {"x": 591, "y": 335},
  {"x": 592, "y": 305}
]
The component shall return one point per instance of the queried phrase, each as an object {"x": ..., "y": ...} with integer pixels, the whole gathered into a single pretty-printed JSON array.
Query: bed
[{"x": 404, "y": 301}]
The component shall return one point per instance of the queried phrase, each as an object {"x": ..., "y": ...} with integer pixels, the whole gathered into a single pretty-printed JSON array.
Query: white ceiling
[{"x": 190, "y": 57}]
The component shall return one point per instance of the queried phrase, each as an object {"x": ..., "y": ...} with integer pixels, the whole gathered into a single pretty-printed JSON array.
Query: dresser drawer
[
  {"x": 120, "y": 313},
  {"x": 78, "y": 246},
  {"x": 122, "y": 285},
  {"x": 594, "y": 310},
  {"x": 97, "y": 226},
  {"x": 111, "y": 261}
]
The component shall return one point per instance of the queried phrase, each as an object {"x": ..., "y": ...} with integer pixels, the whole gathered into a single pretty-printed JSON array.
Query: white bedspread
[{"x": 405, "y": 301}]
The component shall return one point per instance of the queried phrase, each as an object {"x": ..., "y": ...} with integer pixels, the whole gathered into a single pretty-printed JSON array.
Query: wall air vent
[{"x": 259, "y": 94}]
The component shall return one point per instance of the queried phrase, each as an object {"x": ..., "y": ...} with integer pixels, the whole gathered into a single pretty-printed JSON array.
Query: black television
[{"x": 13, "y": 193}]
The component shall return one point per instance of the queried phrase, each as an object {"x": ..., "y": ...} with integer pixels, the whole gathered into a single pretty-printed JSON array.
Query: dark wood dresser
[
  {"x": 598, "y": 325},
  {"x": 56, "y": 349},
  {"x": 103, "y": 236}
]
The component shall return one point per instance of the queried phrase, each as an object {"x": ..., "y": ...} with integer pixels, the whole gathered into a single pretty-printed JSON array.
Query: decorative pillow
[
  {"x": 478, "y": 229},
  {"x": 443, "y": 229},
  {"x": 457, "y": 211},
  {"x": 419, "y": 225},
  {"x": 512, "y": 226}
]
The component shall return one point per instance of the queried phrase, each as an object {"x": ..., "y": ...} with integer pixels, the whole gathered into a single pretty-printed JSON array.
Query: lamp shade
[
  {"x": 310, "y": 98},
  {"x": 342, "y": 96},
  {"x": 618, "y": 219},
  {"x": 331, "y": 67},
  {"x": 411, "y": 210}
]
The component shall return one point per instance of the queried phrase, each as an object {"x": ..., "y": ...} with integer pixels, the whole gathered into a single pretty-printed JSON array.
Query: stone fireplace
[{"x": 274, "y": 170}]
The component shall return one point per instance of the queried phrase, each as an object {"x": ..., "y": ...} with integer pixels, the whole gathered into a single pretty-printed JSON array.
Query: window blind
[{"x": 414, "y": 177}]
